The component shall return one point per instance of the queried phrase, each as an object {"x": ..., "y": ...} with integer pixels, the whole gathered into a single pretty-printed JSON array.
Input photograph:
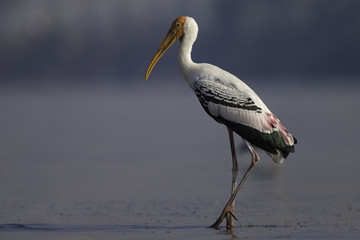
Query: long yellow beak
[{"x": 174, "y": 33}]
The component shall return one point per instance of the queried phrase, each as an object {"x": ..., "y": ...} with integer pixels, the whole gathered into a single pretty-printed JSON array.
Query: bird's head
[{"x": 175, "y": 32}]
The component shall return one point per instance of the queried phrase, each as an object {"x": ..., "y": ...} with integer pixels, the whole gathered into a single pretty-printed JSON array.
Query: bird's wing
[
  {"x": 245, "y": 113},
  {"x": 227, "y": 102}
]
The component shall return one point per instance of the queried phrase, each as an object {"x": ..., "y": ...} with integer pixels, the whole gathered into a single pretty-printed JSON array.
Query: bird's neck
[{"x": 184, "y": 58}]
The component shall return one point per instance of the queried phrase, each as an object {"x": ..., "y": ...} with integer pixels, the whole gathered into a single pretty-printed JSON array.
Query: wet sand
[{"x": 146, "y": 162}]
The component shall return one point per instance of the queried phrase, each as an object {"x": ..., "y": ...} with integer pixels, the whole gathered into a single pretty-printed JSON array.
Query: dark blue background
[{"x": 102, "y": 41}]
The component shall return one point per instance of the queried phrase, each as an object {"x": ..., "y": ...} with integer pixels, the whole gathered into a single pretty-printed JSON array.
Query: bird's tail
[{"x": 278, "y": 157}]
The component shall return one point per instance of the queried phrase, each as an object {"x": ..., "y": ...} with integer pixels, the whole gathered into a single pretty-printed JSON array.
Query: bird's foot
[
  {"x": 232, "y": 214},
  {"x": 226, "y": 212}
]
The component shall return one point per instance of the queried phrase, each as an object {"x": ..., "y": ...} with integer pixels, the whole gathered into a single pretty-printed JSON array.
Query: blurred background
[
  {"x": 56, "y": 41},
  {"x": 79, "y": 123}
]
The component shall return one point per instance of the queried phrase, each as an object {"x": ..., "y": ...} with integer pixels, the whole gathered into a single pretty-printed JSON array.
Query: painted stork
[{"x": 231, "y": 102}]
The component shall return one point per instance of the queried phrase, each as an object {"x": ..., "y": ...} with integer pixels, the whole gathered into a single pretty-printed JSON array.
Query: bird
[{"x": 230, "y": 102}]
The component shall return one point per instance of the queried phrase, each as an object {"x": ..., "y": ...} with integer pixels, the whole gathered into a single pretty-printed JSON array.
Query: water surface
[{"x": 146, "y": 162}]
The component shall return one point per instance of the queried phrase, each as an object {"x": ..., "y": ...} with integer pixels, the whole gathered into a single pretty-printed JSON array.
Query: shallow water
[{"x": 146, "y": 162}]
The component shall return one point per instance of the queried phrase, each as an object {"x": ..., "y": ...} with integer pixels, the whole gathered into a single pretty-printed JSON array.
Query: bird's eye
[{"x": 178, "y": 24}]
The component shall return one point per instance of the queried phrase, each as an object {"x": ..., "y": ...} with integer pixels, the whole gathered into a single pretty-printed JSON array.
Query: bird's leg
[
  {"x": 227, "y": 209},
  {"x": 234, "y": 171}
]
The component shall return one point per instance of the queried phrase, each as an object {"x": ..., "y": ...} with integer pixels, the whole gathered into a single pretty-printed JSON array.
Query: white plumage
[{"x": 227, "y": 86}]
